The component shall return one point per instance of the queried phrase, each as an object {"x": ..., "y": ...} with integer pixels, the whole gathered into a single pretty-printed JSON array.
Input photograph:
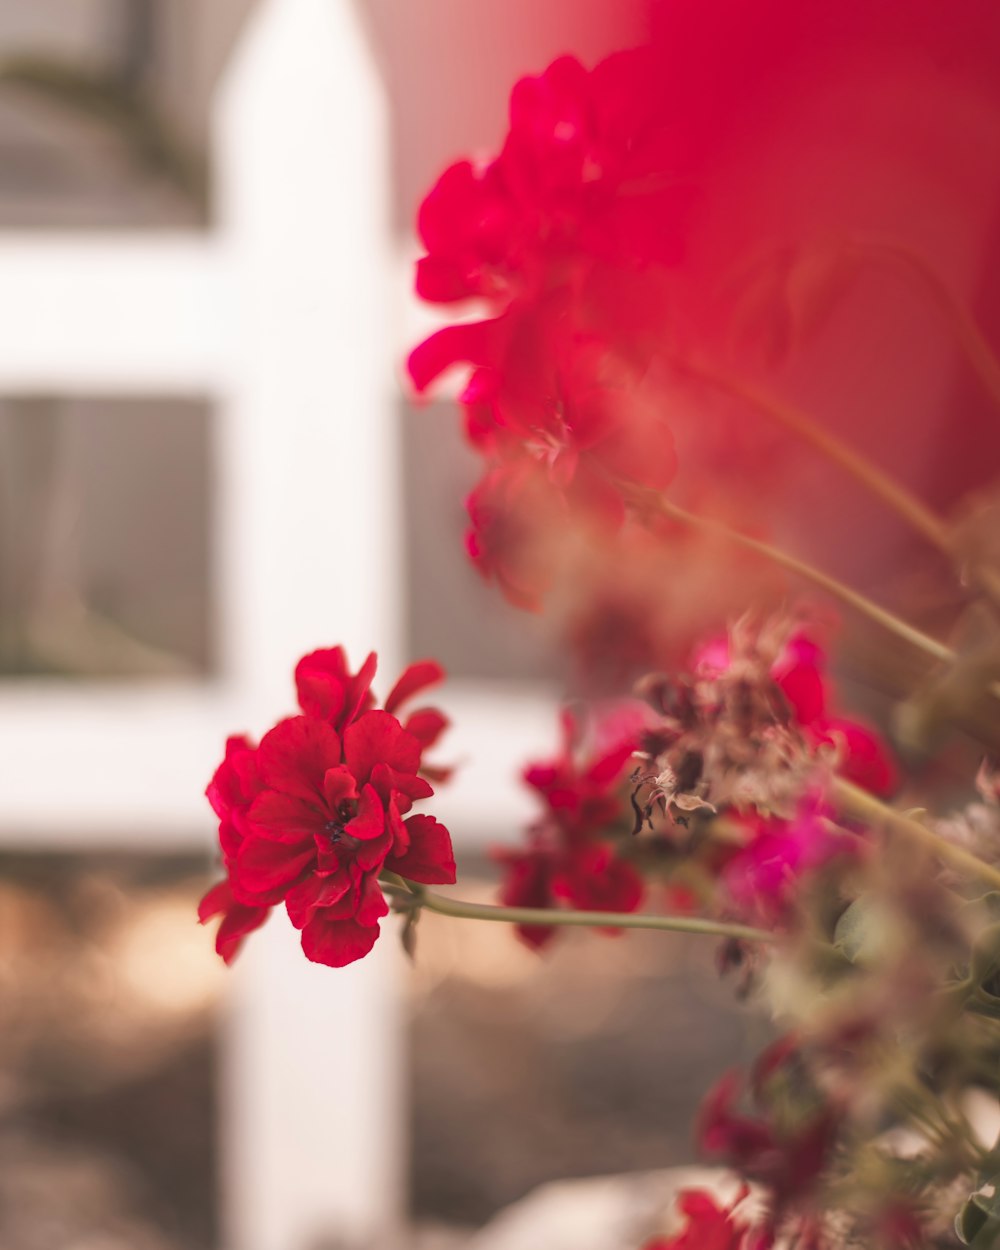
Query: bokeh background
[{"x": 208, "y": 465}]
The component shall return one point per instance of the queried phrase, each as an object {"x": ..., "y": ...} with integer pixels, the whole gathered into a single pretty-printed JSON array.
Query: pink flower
[
  {"x": 763, "y": 876},
  {"x": 314, "y": 814}
]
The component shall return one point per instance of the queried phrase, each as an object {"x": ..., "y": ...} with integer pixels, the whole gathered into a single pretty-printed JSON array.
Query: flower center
[{"x": 334, "y": 827}]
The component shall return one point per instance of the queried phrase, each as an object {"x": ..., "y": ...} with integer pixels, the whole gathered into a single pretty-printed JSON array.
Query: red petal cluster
[
  {"x": 570, "y": 857},
  {"x": 311, "y": 816},
  {"x": 563, "y": 238},
  {"x": 865, "y": 759},
  {"x": 787, "y": 1154}
]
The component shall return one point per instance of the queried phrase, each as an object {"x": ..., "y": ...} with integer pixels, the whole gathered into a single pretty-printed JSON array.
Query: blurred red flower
[
  {"x": 559, "y": 239},
  {"x": 784, "y": 1146},
  {"x": 708, "y": 1226},
  {"x": 571, "y": 856}
]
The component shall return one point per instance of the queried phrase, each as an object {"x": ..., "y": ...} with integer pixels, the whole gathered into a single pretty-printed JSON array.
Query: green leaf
[
  {"x": 978, "y": 1222},
  {"x": 860, "y": 931}
]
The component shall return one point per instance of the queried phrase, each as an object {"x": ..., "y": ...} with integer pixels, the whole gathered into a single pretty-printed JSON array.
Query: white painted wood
[
  {"x": 313, "y": 1130},
  {"x": 125, "y": 314},
  {"x": 284, "y": 317}
]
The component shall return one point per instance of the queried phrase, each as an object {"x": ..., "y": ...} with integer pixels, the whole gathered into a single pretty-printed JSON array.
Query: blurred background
[
  {"x": 144, "y": 1090},
  {"x": 208, "y": 467}
]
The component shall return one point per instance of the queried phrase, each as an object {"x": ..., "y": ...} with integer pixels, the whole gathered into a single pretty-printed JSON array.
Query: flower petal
[
  {"x": 426, "y": 724},
  {"x": 314, "y": 891},
  {"x": 338, "y": 786},
  {"x": 296, "y": 754},
  {"x": 285, "y": 818},
  {"x": 430, "y": 858},
  {"x": 388, "y": 781},
  {"x": 215, "y": 902},
  {"x": 418, "y": 676},
  {"x": 321, "y": 682},
  {"x": 337, "y": 943},
  {"x": 237, "y": 923},
  {"x": 370, "y": 820},
  {"x": 263, "y": 865},
  {"x": 378, "y": 738}
]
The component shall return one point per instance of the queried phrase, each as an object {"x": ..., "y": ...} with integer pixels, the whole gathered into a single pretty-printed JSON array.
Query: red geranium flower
[
  {"x": 800, "y": 671},
  {"x": 562, "y": 236},
  {"x": 231, "y": 791},
  {"x": 314, "y": 814},
  {"x": 570, "y": 857},
  {"x": 787, "y": 1153}
]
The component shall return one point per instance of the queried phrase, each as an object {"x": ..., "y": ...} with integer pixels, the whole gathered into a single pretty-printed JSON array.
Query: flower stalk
[
  {"x": 801, "y": 568},
  {"x": 413, "y": 895},
  {"x": 903, "y": 502},
  {"x": 861, "y": 805}
]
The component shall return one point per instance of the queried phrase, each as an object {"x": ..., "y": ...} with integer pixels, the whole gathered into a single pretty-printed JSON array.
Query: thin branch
[
  {"x": 902, "y": 501},
  {"x": 852, "y": 598},
  {"x": 858, "y": 803},
  {"x": 542, "y": 917}
]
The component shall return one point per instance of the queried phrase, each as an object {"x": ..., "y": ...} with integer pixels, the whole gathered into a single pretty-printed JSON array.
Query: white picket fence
[{"x": 289, "y": 317}]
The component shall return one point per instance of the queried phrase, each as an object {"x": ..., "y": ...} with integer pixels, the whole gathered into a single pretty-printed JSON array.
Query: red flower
[
  {"x": 570, "y": 857},
  {"x": 562, "y": 236},
  {"x": 583, "y": 793},
  {"x": 552, "y": 201},
  {"x": 786, "y": 1152},
  {"x": 709, "y": 1226},
  {"x": 865, "y": 759},
  {"x": 314, "y": 814},
  {"x": 231, "y": 792}
]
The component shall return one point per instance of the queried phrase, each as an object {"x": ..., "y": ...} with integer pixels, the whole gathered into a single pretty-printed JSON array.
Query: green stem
[
  {"x": 852, "y": 598},
  {"x": 897, "y": 497},
  {"x": 902, "y": 501},
  {"x": 460, "y": 910},
  {"x": 974, "y": 344},
  {"x": 864, "y": 806}
]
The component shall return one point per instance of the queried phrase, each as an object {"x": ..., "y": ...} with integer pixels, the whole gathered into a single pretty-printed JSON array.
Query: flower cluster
[
  {"x": 562, "y": 239},
  {"x": 737, "y": 792},
  {"x": 573, "y": 849},
  {"x": 745, "y": 745},
  {"x": 319, "y": 809}
]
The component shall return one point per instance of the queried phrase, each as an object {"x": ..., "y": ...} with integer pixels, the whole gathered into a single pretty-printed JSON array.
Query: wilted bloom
[
  {"x": 314, "y": 813},
  {"x": 746, "y": 746}
]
